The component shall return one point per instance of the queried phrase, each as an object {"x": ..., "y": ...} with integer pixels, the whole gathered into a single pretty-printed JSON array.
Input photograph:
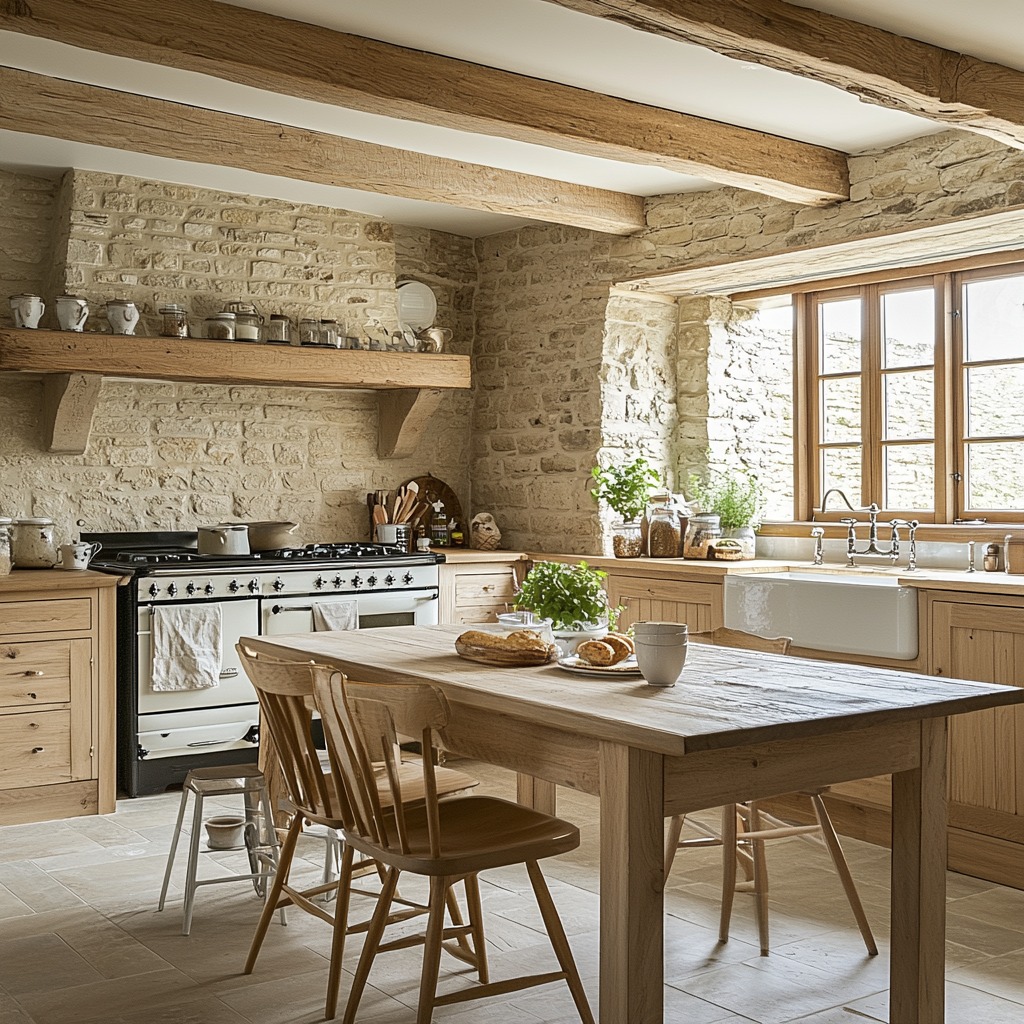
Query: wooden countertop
[
  {"x": 55, "y": 580},
  {"x": 464, "y": 556}
]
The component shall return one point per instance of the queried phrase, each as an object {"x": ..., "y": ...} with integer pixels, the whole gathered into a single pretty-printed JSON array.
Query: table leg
[
  {"x": 536, "y": 793},
  {"x": 917, "y": 953},
  {"x": 632, "y": 880}
]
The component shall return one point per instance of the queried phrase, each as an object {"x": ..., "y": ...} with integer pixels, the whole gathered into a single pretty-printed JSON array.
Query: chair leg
[
  {"x": 455, "y": 911},
  {"x": 675, "y": 830},
  {"x": 728, "y": 869},
  {"x": 340, "y": 930},
  {"x": 373, "y": 936},
  {"x": 560, "y": 944},
  {"x": 835, "y": 850},
  {"x": 270, "y": 840},
  {"x": 284, "y": 865},
  {"x": 476, "y": 920},
  {"x": 432, "y": 948},
  {"x": 193, "y": 863},
  {"x": 760, "y": 879},
  {"x": 174, "y": 848}
]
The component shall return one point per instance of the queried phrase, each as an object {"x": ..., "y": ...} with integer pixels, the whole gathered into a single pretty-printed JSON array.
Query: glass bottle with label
[{"x": 439, "y": 526}]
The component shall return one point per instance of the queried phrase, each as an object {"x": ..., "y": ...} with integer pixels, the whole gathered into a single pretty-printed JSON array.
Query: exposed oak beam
[
  {"x": 40, "y": 105},
  {"x": 879, "y": 67},
  {"x": 315, "y": 63}
]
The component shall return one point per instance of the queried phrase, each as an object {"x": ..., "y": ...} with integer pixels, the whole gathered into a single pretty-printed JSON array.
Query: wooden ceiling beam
[
  {"x": 315, "y": 63},
  {"x": 877, "y": 66},
  {"x": 40, "y": 105}
]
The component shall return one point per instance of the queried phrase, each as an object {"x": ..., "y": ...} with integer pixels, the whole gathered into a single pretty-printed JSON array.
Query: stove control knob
[
  {"x": 372, "y": 581},
  {"x": 407, "y": 578},
  {"x": 388, "y": 580},
  {"x": 254, "y": 586},
  {"x": 234, "y": 586},
  {"x": 208, "y": 590},
  {"x": 319, "y": 582},
  {"x": 337, "y": 582},
  {"x": 153, "y": 590},
  {"x": 190, "y": 589},
  {"x": 172, "y": 589},
  {"x": 357, "y": 582},
  {"x": 278, "y": 584}
]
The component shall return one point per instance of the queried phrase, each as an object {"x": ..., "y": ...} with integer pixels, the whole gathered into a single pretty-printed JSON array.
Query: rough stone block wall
[
  {"x": 170, "y": 455},
  {"x": 27, "y": 206}
]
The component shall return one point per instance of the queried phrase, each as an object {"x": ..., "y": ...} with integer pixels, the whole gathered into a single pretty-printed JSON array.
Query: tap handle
[{"x": 818, "y": 533}]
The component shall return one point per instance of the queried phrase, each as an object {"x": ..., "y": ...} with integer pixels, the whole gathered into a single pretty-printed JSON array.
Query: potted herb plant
[
  {"x": 735, "y": 497},
  {"x": 572, "y": 597},
  {"x": 625, "y": 490}
]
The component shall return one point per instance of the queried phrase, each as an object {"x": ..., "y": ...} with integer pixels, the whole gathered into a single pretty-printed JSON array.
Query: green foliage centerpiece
[{"x": 571, "y": 596}]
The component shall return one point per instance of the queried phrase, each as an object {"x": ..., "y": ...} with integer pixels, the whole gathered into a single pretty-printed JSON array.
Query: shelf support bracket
[
  {"x": 402, "y": 417},
  {"x": 69, "y": 401}
]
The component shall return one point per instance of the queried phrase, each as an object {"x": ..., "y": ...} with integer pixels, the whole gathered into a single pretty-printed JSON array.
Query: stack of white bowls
[{"x": 660, "y": 650}]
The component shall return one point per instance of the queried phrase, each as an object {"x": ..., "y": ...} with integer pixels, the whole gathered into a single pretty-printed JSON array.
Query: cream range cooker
[{"x": 164, "y": 733}]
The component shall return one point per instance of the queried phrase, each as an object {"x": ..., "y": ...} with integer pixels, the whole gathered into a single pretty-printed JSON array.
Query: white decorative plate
[
  {"x": 417, "y": 305},
  {"x": 574, "y": 663}
]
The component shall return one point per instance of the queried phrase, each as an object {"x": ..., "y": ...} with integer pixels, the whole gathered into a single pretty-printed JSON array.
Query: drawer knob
[
  {"x": 32, "y": 696},
  {"x": 38, "y": 750},
  {"x": 34, "y": 672},
  {"x": 487, "y": 588}
]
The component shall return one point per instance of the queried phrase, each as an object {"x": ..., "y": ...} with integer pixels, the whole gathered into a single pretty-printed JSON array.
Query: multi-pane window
[{"x": 915, "y": 395}]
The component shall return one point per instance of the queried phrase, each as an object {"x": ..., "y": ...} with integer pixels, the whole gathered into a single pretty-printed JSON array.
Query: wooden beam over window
[
  {"x": 40, "y": 105},
  {"x": 879, "y": 67},
  {"x": 315, "y": 63}
]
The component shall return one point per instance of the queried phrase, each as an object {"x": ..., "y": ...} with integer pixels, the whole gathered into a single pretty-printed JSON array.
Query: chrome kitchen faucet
[{"x": 892, "y": 551}]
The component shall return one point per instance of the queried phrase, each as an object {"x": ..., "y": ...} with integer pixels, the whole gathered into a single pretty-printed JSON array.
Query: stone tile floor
[{"x": 81, "y": 940}]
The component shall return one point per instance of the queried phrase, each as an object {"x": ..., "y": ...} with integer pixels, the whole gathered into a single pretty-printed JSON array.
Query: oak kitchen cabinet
[
  {"x": 57, "y": 694},
  {"x": 476, "y": 586}
]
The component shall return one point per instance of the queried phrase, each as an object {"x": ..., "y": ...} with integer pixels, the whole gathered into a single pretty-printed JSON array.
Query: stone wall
[{"x": 170, "y": 455}]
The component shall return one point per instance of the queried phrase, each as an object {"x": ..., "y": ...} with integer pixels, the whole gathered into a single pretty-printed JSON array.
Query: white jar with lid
[{"x": 32, "y": 544}]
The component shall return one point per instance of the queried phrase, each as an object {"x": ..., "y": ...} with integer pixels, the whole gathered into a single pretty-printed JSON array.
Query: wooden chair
[
  {"x": 285, "y": 691},
  {"x": 448, "y": 841},
  {"x": 746, "y": 827}
]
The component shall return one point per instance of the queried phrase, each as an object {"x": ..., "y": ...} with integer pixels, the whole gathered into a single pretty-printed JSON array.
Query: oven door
[
  {"x": 394, "y": 608},
  {"x": 239, "y": 618}
]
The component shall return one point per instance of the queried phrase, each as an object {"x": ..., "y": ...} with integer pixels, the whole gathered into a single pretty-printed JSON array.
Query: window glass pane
[
  {"x": 840, "y": 467},
  {"x": 909, "y": 476},
  {"x": 908, "y": 328},
  {"x": 840, "y": 409},
  {"x": 994, "y": 318},
  {"x": 994, "y": 478},
  {"x": 908, "y": 405},
  {"x": 839, "y": 331},
  {"x": 995, "y": 401}
]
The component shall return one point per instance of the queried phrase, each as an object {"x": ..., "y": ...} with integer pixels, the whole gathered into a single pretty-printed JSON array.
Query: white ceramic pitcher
[
  {"x": 123, "y": 315},
  {"x": 71, "y": 312},
  {"x": 27, "y": 310}
]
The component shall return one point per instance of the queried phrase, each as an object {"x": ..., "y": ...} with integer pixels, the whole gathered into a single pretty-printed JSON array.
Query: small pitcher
[
  {"x": 123, "y": 315},
  {"x": 71, "y": 312},
  {"x": 433, "y": 339},
  {"x": 27, "y": 310}
]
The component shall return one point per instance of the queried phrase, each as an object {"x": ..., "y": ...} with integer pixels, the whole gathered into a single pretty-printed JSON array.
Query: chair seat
[{"x": 477, "y": 832}]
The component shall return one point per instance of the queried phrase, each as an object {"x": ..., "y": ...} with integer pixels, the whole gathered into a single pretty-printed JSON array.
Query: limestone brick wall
[
  {"x": 27, "y": 205},
  {"x": 170, "y": 455}
]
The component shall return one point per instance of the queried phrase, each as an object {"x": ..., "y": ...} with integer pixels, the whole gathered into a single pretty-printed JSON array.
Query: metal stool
[{"x": 260, "y": 845}]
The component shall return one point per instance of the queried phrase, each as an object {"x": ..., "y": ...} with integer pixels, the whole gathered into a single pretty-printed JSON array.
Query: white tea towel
[
  {"x": 328, "y": 615},
  {"x": 186, "y": 647}
]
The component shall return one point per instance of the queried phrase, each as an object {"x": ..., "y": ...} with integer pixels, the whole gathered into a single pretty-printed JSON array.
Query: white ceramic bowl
[
  {"x": 659, "y": 628},
  {"x": 660, "y": 663}
]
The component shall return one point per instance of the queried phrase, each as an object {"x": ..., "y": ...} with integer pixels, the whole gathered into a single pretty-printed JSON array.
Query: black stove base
[{"x": 147, "y": 777}]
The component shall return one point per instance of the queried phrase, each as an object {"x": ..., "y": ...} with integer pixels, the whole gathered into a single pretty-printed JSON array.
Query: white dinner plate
[
  {"x": 574, "y": 663},
  {"x": 417, "y": 305}
]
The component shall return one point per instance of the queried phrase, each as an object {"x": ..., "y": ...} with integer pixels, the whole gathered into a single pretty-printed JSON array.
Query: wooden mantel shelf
[{"x": 410, "y": 384}]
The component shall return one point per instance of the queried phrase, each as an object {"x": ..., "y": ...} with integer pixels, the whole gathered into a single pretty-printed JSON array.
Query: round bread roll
[
  {"x": 621, "y": 645},
  {"x": 596, "y": 652}
]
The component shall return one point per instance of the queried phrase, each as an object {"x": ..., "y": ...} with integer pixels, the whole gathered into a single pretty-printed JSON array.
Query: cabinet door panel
[
  {"x": 35, "y": 673},
  {"x": 35, "y": 749},
  {"x": 699, "y": 605},
  {"x": 73, "y": 613}
]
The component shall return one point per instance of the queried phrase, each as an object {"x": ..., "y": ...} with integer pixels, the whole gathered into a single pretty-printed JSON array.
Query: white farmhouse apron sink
[{"x": 841, "y": 611}]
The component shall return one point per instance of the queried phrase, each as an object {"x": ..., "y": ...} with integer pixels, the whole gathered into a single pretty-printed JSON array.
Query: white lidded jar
[{"x": 32, "y": 544}]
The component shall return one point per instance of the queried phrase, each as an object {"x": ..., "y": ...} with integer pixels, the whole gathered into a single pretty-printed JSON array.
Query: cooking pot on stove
[
  {"x": 271, "y": 536},
  {"x": 224, "y": 539}
]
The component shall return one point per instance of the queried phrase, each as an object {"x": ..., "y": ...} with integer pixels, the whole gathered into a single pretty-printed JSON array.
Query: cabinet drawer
[
  {"x": 35, "y": 749},
  {"x": 73, "y": 613},
  {"x": 35, "y": 673},
  {"x": 484, "y": 588}
]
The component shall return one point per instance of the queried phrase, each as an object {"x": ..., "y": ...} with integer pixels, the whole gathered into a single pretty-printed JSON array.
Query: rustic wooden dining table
[{"x": 737, "y": 725}]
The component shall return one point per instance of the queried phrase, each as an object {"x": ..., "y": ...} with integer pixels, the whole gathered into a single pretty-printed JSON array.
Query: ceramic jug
[
  {"x": 27, "y": 310},
  {"x": 71, "y": 312},
  {"x": 123, "y": 315},
  {"x": 433, "y": 339}
]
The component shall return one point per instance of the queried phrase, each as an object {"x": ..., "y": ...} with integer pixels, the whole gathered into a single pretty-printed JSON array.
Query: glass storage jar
[
  {"x": 627, "y": 540},
  {"x": 221, "y": 327},
  {"x": 247, "y": 326},
  {"x": 279, "y": 329},
  {"x": 309, "y": 331},
  {"x": 700, "y": 532},
  {"x": 174, "y": 322},
  {"x": 664, "y": 533},
  {"x": 32, "y": 544},
  {"x": 329, "y": 336}
]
